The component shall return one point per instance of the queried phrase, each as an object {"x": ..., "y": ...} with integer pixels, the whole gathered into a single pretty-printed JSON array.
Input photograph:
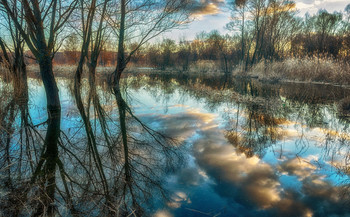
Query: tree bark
[{"x": 51, "y": 89}]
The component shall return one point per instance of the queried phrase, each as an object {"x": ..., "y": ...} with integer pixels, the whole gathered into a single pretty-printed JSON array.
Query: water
[{"x": 198, "y": 146}]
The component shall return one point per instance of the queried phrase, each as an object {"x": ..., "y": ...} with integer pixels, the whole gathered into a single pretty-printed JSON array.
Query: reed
[{"x": 310, "y": 69}]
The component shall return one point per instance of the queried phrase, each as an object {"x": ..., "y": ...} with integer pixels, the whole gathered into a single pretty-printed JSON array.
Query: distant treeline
[
  {"x": 273, "y": 32},
  {"x": 260, "y": 31}
]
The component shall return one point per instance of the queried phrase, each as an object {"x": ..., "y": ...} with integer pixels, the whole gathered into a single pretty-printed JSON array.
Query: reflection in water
[
  {"x": 113, "y": 168},
  {"x": 259, "y": 131},
  {"x": 253, "y": 183},
  {"x": 168, "y": 145},
  {"x": 295, "y": 148},
  {"x": 148, "y": 155},
  {"x": 24, "y": 151}
]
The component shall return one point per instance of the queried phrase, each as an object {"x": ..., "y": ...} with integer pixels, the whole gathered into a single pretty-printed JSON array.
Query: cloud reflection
[
  {"x": 162, "y": 213},
  {"x": 252, "y": 182}
]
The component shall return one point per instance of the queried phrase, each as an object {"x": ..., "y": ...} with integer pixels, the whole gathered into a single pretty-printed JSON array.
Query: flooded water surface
[{"x": 192, "y": 146}]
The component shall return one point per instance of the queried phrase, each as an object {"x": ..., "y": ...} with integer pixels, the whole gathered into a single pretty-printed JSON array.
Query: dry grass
[
  {"x": 66, "y": 71},
  {"x": 204, "y": 66},
  {"x": 307, "y": 69},
  {"x": 325, "y": 70}
]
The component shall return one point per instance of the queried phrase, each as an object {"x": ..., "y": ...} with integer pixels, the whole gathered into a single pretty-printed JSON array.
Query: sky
[{"x": 214, "y": 15}]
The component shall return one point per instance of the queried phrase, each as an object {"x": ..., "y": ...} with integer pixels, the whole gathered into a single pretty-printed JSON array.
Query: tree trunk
[
  {"x": 53, "y": 131},
  {"x": 92, "y": 73},
  {"x": 121, "y": 51},
  {"x": 20, "y": 79},
  {"x": 51, "y": 89}
]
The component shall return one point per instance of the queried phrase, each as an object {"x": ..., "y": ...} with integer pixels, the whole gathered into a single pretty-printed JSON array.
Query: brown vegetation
[
  {"x": 118, "y": 158},
  {"x": 312, "y": 69}
]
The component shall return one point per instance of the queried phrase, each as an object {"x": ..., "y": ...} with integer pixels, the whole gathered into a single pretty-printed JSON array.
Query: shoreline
[{"x": 67, "y": 71}]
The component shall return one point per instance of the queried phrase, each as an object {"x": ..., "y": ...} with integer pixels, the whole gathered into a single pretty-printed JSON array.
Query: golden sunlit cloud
[
  {"x": 210, "y": 9},
  {"x": 206, "y": 7}
]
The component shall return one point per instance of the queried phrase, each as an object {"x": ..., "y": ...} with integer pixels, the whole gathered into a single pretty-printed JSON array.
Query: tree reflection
[
  {"x": 109, "y": 162},
  {"x": 112, "y": 168},
  {"x": 130, "y": 157},
  {"x": 259, "y": 131},
  {"x": 261, "y": 115},
  {"x": 146, "y": 154},
  {"x": 28, "y": 166}
]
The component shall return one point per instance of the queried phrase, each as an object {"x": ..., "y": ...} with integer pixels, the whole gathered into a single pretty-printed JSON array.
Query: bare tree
[
  {"x": 71, "y": 46},
  {"x": 137, "y": 24},
  {"x": 44, "y": 21},
  {"x": 12, "y": 49},
  {"x": 266, "y": 28},
  {"x": 238, "y": 10},
  {"x": 99, "y": 36}
]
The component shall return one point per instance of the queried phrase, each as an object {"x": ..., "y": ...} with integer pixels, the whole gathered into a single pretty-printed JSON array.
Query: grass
[
  {"x": 312, "y": 69},
  {"x": 66, "y": 71},
  {"x": 203, "y": 66},
  {"x": 324, "y": 70}
]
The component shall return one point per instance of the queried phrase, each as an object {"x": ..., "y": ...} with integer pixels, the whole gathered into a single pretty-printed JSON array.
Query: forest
[{"x": 261, "y": 35}]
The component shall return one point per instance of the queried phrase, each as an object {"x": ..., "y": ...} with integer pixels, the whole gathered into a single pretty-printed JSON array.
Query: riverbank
[
  {"x": 323, "y": 71},
  {"x": 307, "y": 70}
]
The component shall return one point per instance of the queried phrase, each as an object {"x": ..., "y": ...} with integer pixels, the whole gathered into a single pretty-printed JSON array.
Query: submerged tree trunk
[
  {"x": 121, "y": 64},
  {"x": 91, "y": 139},
  {"x": 20, "y": 79},
  {"x": 51, "y": 157},
  {"x": 50, "y": 85},
  {"x": 46, "y": 168},
  {"x": 92, "y": 73}
]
